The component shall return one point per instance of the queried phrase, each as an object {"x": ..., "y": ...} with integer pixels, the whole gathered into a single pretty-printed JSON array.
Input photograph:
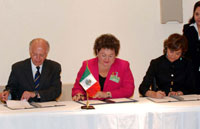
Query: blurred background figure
[{"x": 191, "y": 31}]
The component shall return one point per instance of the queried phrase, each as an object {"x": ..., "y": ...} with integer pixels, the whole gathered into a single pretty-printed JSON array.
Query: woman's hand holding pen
[{"x": 158, "y": 94}]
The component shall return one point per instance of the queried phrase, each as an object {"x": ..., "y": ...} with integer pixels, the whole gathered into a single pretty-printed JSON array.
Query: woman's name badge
[{"x": 114, "y": 77}]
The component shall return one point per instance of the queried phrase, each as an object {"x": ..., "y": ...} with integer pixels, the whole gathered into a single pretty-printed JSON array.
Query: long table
[{"x": 143, "y": 114}]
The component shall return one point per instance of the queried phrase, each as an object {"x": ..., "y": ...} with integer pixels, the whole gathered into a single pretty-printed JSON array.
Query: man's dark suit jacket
[{"x": 21, "y": 79}]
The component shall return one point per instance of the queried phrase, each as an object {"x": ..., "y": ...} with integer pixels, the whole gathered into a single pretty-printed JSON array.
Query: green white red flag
[{"x": 89, "y": 83}]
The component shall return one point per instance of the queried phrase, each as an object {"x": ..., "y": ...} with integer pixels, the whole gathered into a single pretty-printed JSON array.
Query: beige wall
[
  {"x": 66, "y": 92},
  {"x": 71, "y": 27}
]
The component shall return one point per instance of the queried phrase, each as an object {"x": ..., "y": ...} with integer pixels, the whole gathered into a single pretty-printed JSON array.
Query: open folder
[
  {"x": 108, "y": 101},
  {"x": 191, "y": 97},
  {"x": 23, "y": 104}
]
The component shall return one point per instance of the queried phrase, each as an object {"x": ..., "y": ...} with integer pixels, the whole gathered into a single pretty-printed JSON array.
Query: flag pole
[
  {"x": 87, "y": 103},
  {"x": 88, "y": 106}
]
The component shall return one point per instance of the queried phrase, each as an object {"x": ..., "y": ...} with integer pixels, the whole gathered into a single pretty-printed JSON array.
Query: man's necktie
[{"x": 37, "y": 78}]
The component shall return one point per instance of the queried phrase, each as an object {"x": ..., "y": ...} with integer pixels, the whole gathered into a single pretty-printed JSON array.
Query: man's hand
[
  {"x": 4, "y": 95},
  {"x": 27, "y": 95}
]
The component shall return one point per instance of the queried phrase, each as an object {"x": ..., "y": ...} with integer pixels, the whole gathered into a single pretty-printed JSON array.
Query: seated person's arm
[{"x": 148, "y": 81}]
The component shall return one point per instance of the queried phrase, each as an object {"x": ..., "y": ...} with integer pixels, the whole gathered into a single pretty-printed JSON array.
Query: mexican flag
[{"x": 89, "y": 83}]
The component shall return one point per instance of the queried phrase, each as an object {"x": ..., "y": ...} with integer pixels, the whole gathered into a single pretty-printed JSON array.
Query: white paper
[
  {"x": 18, "y": 104},
  {"x": 49, "y": 104},
  {"x": 118, "y": 100},
  {"x": 165, "y": 99},
  {"x": 190, "y": 97}
]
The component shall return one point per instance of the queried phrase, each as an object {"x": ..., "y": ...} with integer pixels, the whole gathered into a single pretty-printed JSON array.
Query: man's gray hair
[{"x": 38, "y": 39}]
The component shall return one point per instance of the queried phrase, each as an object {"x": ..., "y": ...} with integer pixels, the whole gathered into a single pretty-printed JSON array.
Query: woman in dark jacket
[
  {"x": 169, "y": 74},
  {"x": 191, "y": 31}
]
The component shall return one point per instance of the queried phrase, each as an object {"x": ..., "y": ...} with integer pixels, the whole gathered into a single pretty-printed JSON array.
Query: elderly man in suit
[{"x": 36, "y": 78}]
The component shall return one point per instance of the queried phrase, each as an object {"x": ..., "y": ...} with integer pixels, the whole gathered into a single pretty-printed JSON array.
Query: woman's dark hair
[
  {"x": 197, "y": 4},
  {"x": 107, "y": 41},
  {"x": 175, "y": 42}
]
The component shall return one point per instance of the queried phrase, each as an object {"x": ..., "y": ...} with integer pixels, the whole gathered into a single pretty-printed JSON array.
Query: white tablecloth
[{"x": 143, "y": 114}]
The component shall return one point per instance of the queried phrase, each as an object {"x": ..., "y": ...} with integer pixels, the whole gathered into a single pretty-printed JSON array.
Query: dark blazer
[
  {"x": 193, "y": 52},
  {"x": 21, "y": 79},
  {"x": 162, "y": 72},
  {"x": 193, "y": 44}
]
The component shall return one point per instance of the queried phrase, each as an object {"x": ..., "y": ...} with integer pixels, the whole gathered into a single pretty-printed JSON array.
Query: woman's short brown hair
[
  {"x": 106, "y": 41},
  {"x": 176, "y": 42}
]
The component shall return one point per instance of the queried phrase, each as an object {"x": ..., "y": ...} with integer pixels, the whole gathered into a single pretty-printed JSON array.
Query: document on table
[
  {"x": 191, "y": 97},
  {"x": 23, "y": 104},
  {"x": 123, "y": 100},
  {"x": 16, "y": 104},
  {"x": 47, "y": 104},
  {"x": 108, "y": 101},
  {"x": 163, "y": 100}
]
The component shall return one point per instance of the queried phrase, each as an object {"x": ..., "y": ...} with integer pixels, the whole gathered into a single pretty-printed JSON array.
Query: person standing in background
[{"x": 192, "y": 33}]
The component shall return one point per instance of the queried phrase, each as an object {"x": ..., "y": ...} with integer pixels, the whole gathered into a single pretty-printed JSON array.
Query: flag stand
[{"x": 88, "y": 106}]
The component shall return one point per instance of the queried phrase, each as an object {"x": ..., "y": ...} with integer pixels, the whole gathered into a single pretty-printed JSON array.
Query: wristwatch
[{"x": 109, "y": 94}]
